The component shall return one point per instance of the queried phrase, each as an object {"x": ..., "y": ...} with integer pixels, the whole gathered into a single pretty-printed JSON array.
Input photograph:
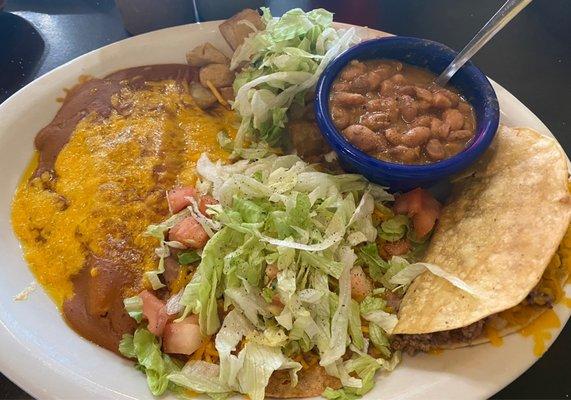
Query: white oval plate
[{"x": 46, "y": 358}]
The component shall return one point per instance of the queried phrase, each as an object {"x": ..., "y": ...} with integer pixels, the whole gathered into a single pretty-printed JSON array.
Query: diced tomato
[
  {"x": 361, "y": 285},
  {"x": 424, "y": 221},
  {"x": 178, "y": 198},
  {"x": 409, "y": 203},
  {"x": 421, "y": 207},
  {"x": 182, "y": 337},
  {"x": 397, "y": 248},
  {"x": 190, "y": 233},
  {"x": 205, "y": 201},
  {"x": 276, "y": 306},
  {"x": 192, "y": 319},
  {"x": 272, "y": 271},
  {"x": 155, "y": 311}
]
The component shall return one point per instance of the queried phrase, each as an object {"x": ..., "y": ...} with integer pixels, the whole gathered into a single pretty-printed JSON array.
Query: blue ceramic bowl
[{"x": 469, "y": 80}]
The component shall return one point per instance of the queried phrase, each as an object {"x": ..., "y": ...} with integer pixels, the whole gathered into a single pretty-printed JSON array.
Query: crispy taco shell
[
  {"x": 520, "y": 316},
  {"x": 498, "y": 232},
  {"x": 312, "y": 382}
]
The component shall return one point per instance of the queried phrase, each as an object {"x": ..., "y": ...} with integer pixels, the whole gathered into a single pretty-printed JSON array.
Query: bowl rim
[{"x": 483, "y": 135}]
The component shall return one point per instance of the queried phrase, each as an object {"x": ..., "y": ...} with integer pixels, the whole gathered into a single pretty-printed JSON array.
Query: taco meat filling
[{"x": 540, "y": 296}]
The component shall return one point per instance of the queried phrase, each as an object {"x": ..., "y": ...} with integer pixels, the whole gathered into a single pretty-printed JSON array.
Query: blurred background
[{"x": 530, "y": 58}]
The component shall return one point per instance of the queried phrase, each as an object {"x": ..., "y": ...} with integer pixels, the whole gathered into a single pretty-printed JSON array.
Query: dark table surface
[{"x": 531, "y": 58}]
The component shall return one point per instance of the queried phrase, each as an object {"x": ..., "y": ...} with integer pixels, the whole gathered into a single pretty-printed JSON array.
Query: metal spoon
[{"x": 505, "y": 14}]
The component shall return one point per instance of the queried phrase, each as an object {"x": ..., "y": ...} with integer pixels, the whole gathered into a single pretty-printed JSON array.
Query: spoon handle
[{"x": 504, "y": 15}]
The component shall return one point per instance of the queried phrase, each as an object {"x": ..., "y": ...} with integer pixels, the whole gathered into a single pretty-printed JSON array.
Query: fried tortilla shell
[
  {"x": 503, "y": 323},
  {"x": 499, "y": 230},
  {"x": 312, "y": 382}
]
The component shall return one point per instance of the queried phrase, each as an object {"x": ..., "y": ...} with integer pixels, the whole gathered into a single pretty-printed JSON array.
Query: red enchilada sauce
[{"x": 395, "y": 112}]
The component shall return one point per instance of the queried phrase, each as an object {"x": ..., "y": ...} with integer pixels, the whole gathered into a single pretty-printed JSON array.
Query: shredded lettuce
[
  {"x": 283, "y": 62},
  {"x": 158, "y": 232},
  {"x": 409, "y": 272},
  {"x": 379, "y": 339},
  {"x": 188, "y": 257},
  {"x": 145, "y": 347},
  {"x": 355, "y": 326},
  {"x": 249, "y": 371},
  {"x": 339, "y": 394},
  {"x": 285, "y": 238},
  {"x": 368, "y": 255},
  {"x": 134, "y": 307},
  {"x": 365, "y": 367},
  {"x": 394, "y": 228},
  {"x": 340, "y": 321},
  {"x": 370, "y": 304},
  {"x": 201, "y": 377},
  {"x": 281, "y": 211},
  {"x": 259, "y": 362},
  {"x": 383, "y": 319}
]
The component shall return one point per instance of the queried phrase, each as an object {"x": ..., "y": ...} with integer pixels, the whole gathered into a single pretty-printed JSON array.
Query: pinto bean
[
  {"x": 464, "y": 108},
  {"x": 399, "y": 79},
  {"x": 384, "y": 72},
  {"x": 375, "y": 78},
  {"x": 423, "y": 120},
  {"x": 453, "y": 97},
  {"x": 362, "y": 137},
  {"x": 423, "y": 105},
  {"x": 405, "y": 154},
  {"x": 468, "y": 124},
  {"x": 387, "y": 87},
  {"x": 353, "y": 70},
  {"x": 341, "y": 117},
  {"x": 439, "y": 100},
  {"x": 423, "y": 94},
  {"x": 375, "y": 120},
  {"x": 360, "y": 84},
  {"x": 349, "y": 99},
  {"x": 435, "y": 150},
  {"x": 374, "y": 105},
  {"x": 439, "y": 129},
  {"x": 408, "y": 108},
  {"x": 462, "y": 134},
  {"x": 407, "y": 90},
  {"x": 454, "y": 118},
  {"x": 453, "y": 148},
  {"x": 382, "y": 143},
  {"x": 415, "y": 136},
  {"x": 393, "y": 136},
  {"x": 341, "y": 87},
  {"x": 387, "y": 105}
]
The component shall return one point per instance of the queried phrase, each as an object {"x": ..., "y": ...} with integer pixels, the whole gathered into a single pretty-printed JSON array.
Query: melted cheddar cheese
[
  {"x": 111, "y": 182},
  {"x": 541, "y": 328}
]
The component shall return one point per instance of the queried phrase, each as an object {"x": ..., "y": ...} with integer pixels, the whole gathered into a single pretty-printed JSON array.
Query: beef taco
[{"x": 502, "y": 232}]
